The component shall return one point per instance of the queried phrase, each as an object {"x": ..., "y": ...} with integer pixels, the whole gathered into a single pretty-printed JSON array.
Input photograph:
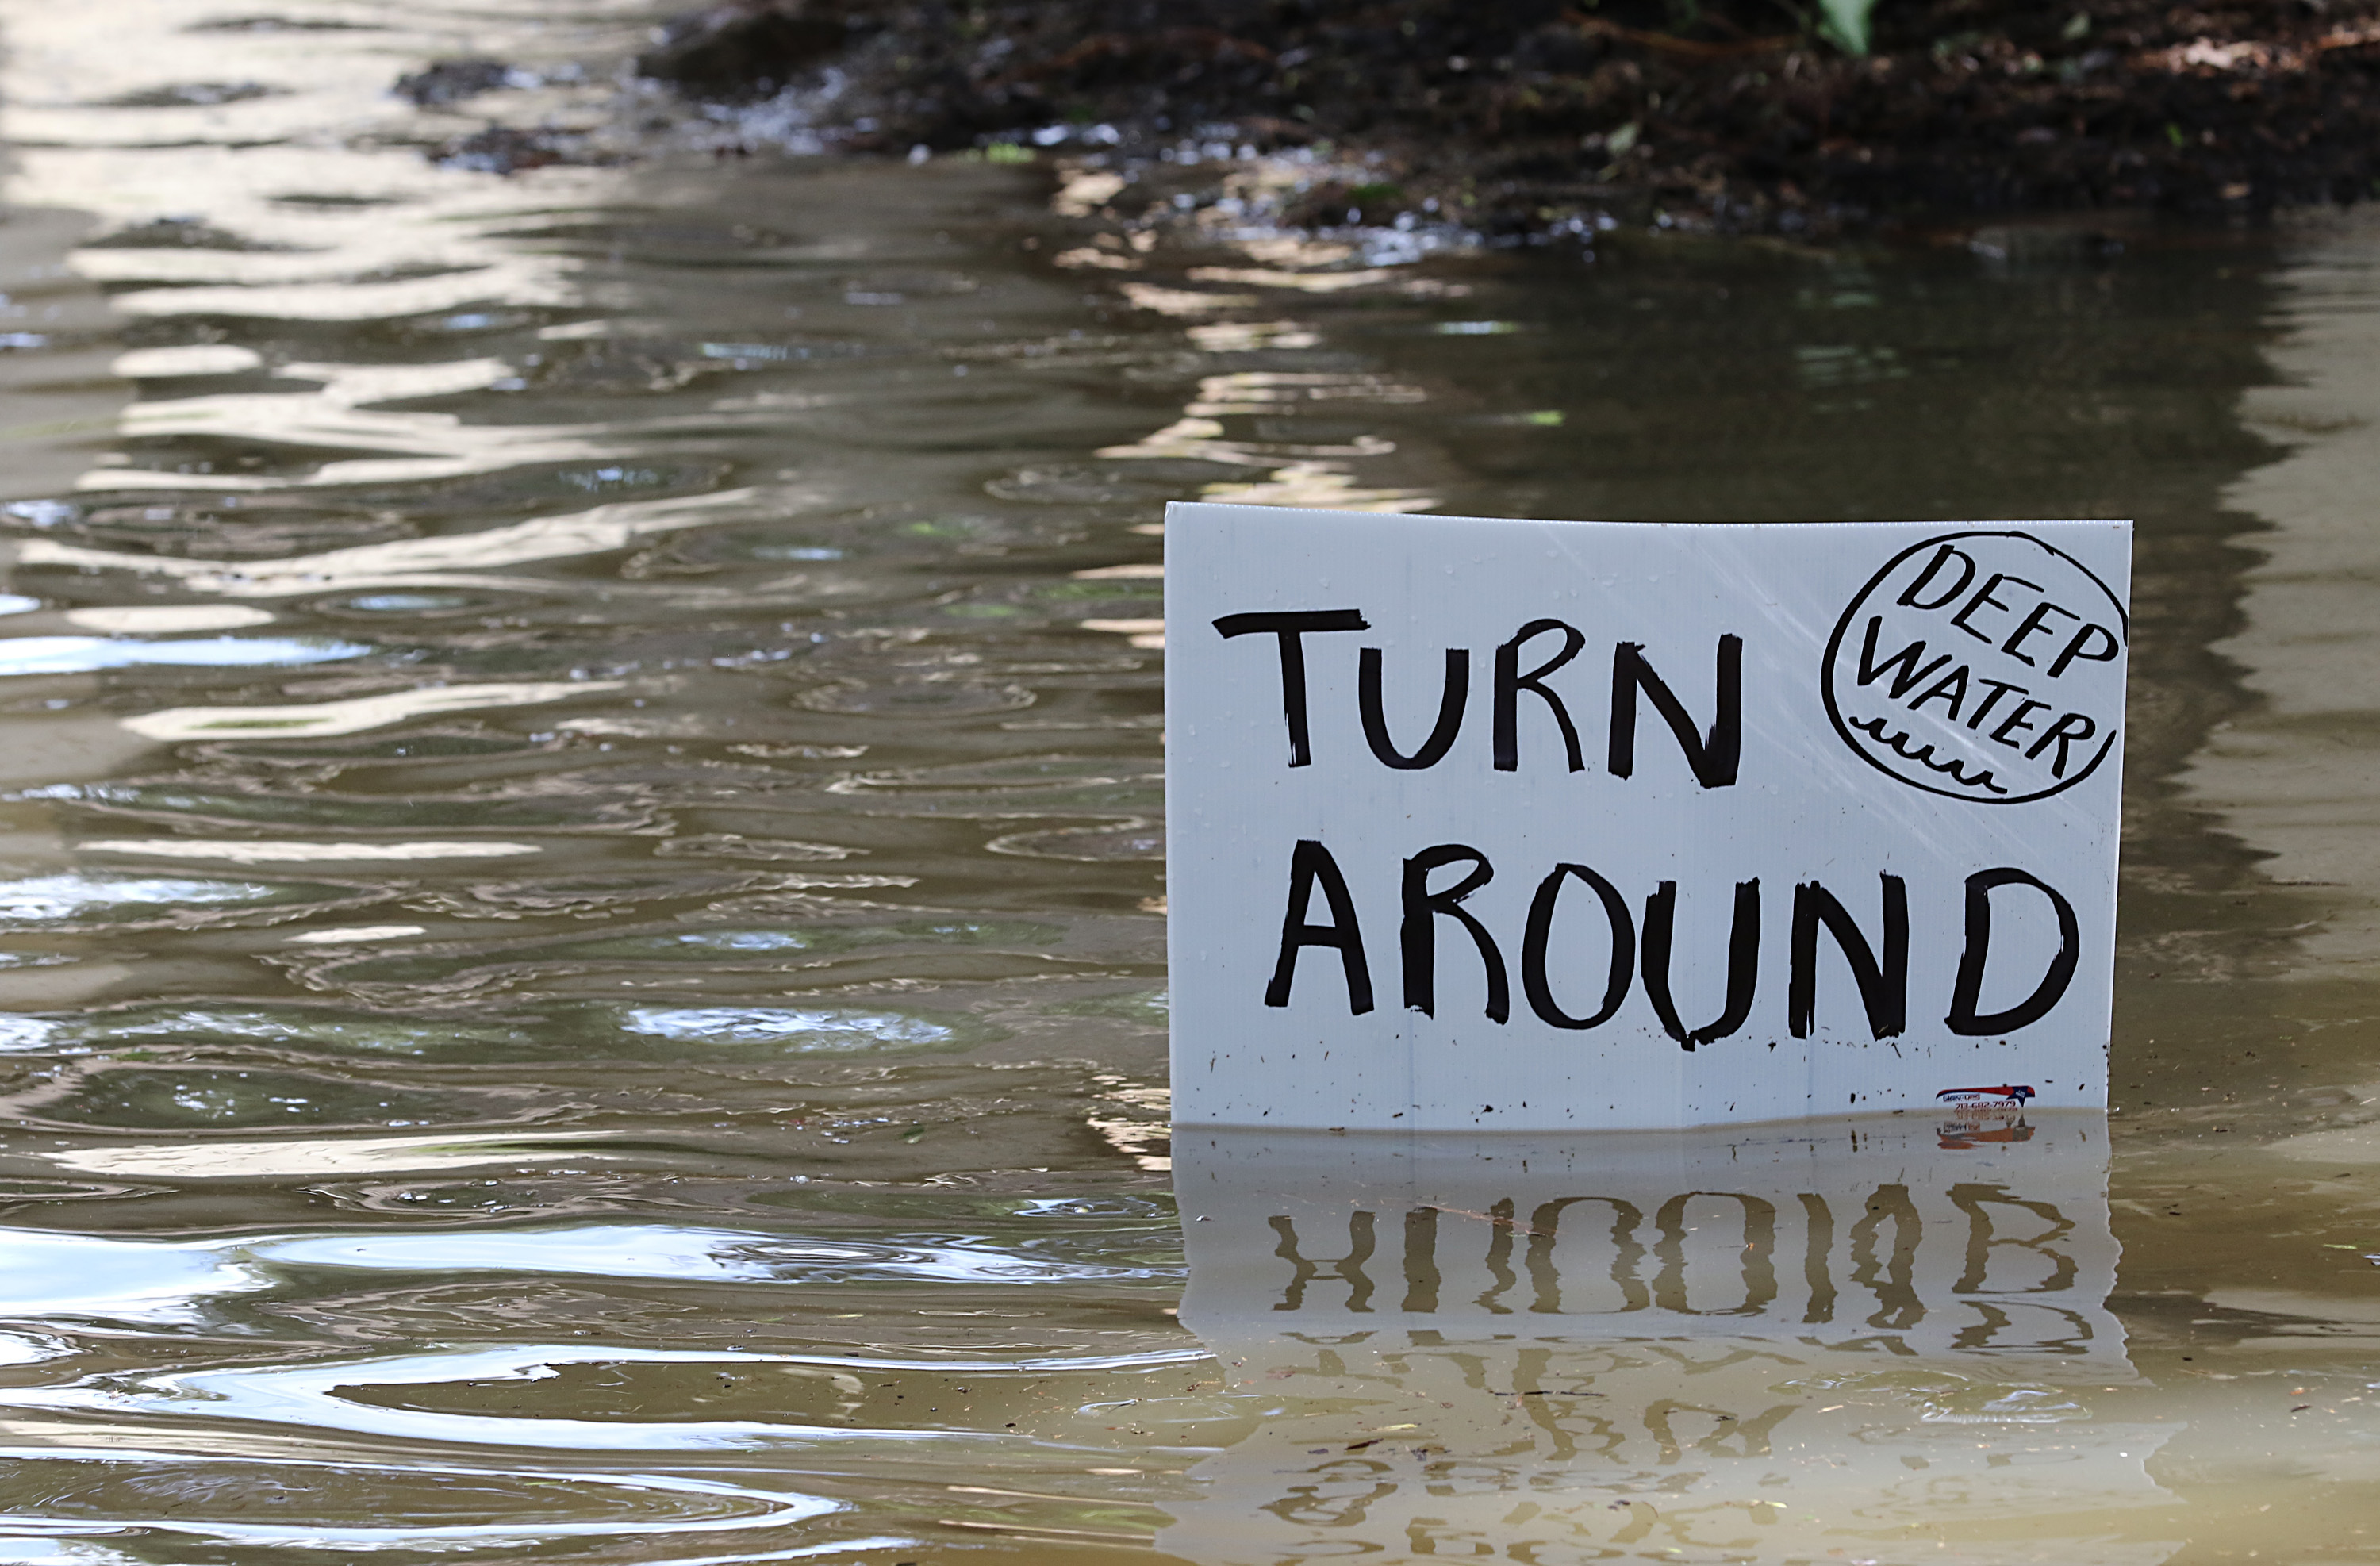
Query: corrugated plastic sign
[{"x": 1482, "y": 824}]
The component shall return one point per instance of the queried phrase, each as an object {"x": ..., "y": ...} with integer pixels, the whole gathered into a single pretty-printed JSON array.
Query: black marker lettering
[
  {"x": 1967, "y": 992},
  {"x": 1883, "y": 983},
  {"x": 1534, "y": 981},
  {"x": 1983, "y": 596},
  {"x": 1943, "y": 556},
  {"x": 1904, "y": 663},
  {"x": 2104, "y": 652},
  {"x": 1743, "y": 962},
  {"x": 2017, "y": 723},
  {"x": 1310, "y": 864},
  {"x": 1983, "y": 709},
  {"x": 1450, "y": 702},
  {"x": 1419, "y": 938},
  {"x": 2032, "y": 626},
  {"x": 2066, "y": 731},
  {"x": 1510, "y": 683},
  {"x": 1713, "y": 757},
  {"x": 1953, "y": 690},
  {"x": 1290, "y": 627}
]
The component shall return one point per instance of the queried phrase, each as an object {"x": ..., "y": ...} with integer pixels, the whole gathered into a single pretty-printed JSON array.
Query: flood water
[{"x": 583, "y": 886}]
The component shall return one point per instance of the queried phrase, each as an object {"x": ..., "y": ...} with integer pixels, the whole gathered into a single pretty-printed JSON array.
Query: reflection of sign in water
[
  {"x": 1544, "y": 826},
  {"x": 1975, "y": 1123},
  {"x": 1766, "y": 1344}
]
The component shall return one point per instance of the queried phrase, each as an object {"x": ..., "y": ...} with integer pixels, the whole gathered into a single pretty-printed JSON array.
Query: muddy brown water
[{"x": 582, "y": 876}]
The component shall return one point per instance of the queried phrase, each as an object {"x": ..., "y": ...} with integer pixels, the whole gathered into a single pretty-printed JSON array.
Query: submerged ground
[{"x": 1527, "y": 115}]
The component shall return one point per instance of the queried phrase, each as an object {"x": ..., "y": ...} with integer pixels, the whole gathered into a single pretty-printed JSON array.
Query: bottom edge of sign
[{"x": 1998, "y": 1113}]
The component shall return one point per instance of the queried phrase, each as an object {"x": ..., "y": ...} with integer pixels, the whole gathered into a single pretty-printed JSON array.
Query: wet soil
[{"x": 1528, "y": 116}]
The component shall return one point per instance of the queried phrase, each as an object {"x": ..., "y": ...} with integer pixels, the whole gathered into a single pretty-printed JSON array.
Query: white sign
[{"x": 1514, "y": 825}]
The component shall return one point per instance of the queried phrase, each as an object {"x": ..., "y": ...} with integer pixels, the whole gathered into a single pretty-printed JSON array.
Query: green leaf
[{"x": 1845, "y": 23}]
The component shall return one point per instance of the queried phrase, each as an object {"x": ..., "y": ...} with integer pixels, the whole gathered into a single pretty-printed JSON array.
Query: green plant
[{"x": 1844, "y": 22}]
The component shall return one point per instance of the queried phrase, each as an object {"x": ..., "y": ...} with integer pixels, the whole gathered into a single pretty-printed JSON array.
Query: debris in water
[{"x": 450, "y": 81}]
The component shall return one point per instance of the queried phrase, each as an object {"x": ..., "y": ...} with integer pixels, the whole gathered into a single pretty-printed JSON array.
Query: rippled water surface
[{"x": 581, "y": 890}]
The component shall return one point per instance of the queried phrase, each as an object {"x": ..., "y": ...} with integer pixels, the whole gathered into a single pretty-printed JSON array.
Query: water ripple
[
  {"x": 132, "y": 1489},
  {"x": 715, "y": 1255},
  {"x": 453, "y": 608},
  {"x": 362, "y": 1397}
]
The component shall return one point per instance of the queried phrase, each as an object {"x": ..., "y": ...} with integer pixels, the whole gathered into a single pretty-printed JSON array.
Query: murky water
[{"x": 583, "y": 899}]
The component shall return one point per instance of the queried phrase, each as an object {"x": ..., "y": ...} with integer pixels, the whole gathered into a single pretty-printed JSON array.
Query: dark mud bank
[{"x": 1532, "y": 115}]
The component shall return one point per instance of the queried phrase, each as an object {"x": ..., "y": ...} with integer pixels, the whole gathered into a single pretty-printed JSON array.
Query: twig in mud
[{"x": 1688, "y": 48}]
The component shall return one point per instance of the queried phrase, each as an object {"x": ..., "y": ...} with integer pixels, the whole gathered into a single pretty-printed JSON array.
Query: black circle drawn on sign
[{"x": 1850, "y": 611}]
